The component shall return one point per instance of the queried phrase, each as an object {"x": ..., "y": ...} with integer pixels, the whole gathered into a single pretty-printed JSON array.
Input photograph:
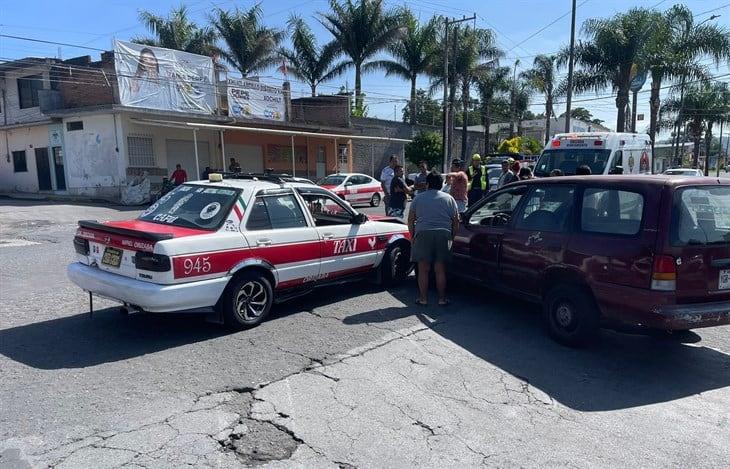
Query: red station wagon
[{"x": 649, "y": 252}]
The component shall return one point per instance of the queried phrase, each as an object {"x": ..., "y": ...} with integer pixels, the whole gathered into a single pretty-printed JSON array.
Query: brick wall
[
  {"x": 331, "y": 111},
  {"x": 85, "y": 83}
]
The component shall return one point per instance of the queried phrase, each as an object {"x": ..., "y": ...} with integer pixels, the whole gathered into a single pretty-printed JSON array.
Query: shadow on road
[
  {"x": 79, "y": 341},
  {"x": 618, "y": 371}
]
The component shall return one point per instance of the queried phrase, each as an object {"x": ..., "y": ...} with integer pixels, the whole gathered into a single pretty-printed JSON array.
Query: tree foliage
[
  {"x": 306, "y": 60},
  {"x": 413, "y": 54},
  {"x": 179, "y": 32},
  {"x": 425, "y": 146},
  {"x": 251, "y": 47},
  {"x": 520, "y": 145},
  {"x": 362, "y": 29}
]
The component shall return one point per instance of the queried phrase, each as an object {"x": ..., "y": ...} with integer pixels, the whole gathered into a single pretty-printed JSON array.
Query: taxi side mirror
[{"x": 359, "y": 219}]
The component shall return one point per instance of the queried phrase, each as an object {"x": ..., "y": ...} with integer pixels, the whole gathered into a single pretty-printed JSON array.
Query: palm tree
[
  {"x": 613, "y": 47},
  {"x": 307, "y": 61},
  {"x": 362, "y": 29},
  {"x": 542, "y": 77},
  {"x": 251, "y": 47},
  {"x": 673, "y": 50},
  {"x": 521, "y": 90},
  {"x": 413, "y": 54},
  {"x": 491, "y": 84},
  {"x": 474, "y": 46},
  {"x": 178, "y": 32},
  {"x": 698, "y": 110}
]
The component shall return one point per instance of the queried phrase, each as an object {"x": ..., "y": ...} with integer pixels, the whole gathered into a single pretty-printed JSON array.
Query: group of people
[
  {"x": 433, "y": 218},
  {"x": 466, "y": 185}
]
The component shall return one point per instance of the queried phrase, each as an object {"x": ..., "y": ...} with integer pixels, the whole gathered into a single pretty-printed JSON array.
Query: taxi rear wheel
[
  {"x": 375, "y": 200},
  {"x": 248, "y": 301}
]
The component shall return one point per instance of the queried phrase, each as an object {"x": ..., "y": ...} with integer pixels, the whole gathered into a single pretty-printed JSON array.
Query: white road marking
[{"x": 13, "y": 243}]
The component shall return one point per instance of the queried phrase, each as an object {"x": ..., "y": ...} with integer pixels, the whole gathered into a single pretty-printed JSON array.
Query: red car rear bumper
[{"x": 658, "y": 310}]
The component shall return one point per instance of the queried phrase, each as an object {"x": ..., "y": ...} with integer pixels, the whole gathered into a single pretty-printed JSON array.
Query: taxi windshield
[
  {"x": 333, "y": 180},
  {"x": 192, "y": 206},
  {"x": 568, "y": 160}
]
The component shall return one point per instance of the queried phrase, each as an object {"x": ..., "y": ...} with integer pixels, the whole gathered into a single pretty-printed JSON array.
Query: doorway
[
  {"x": 58, "y": 168},
  {"x": 43, "y": 168}
]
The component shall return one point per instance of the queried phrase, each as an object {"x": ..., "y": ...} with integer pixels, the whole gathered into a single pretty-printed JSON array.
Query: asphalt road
[{"x": 346, "y": 377}]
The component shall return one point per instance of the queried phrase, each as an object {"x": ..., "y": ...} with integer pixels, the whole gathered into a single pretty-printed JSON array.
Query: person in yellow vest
[{"x": 478, "y": 181}]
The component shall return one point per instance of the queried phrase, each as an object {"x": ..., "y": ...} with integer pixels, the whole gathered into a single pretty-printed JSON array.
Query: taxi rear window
[{"x": 192, "y": 206}]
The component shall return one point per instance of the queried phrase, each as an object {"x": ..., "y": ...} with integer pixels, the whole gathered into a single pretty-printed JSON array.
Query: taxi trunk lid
[{"x": 127, "y": 247}]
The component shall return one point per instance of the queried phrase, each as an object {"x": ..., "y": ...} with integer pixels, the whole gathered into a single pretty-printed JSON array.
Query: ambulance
[{"x": 602, "y": 152}]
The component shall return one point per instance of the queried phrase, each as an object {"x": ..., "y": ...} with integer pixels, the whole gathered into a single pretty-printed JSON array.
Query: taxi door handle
[
  {"x": 327, "y": 235},
  {"x": 263, "y": 242}
]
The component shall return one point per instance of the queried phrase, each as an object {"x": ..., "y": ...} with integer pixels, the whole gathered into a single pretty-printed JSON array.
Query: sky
[{"x": 523, "y": 28}]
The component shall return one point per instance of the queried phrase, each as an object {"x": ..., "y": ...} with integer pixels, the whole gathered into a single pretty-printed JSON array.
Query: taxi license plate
[
  {"x": 723, "y": 282},
  {"x": 112, "y": 257}
]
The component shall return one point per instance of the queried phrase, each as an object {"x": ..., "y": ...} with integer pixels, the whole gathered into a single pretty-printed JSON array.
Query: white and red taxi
[
  {"x": 237, "y": 246},
  {"x": 357, "y": 189}
]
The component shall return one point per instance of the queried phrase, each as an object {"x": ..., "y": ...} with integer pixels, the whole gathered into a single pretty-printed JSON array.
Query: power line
[{"x": 547, "y": 26}]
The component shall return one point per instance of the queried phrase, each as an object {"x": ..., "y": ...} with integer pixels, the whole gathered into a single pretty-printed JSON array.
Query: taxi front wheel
[{"x": 248, "y": 300}]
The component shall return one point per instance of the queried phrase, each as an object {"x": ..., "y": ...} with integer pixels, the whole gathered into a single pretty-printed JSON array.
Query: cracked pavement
[{"x": 349, "y": 377}]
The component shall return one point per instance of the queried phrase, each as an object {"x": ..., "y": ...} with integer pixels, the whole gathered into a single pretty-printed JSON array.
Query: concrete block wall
[{"x": 370, "y": 156}]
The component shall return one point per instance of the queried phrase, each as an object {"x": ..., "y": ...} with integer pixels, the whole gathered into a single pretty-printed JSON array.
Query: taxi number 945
[{"x": 197, "y": 265}]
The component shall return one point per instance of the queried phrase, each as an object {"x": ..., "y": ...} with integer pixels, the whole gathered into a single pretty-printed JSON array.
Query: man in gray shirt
[{"x": 433, "y": 221}]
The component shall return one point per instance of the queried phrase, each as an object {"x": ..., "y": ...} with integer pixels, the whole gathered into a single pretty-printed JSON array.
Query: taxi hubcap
[{"x": 251, "y": 300}]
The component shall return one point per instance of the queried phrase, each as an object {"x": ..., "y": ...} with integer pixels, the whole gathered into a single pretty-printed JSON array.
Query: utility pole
[
  {"x": 571, "y": 60},
  {"x": 633, "y": 113},
  {"x": 512, "y": 101},
  {"x": 445, "y": 140}
]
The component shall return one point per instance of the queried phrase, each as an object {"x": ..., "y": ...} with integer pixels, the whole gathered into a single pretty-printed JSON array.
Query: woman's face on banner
[{"x": 149, "y": 63}]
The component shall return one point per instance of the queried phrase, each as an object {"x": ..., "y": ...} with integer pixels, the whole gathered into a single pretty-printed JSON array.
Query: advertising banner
[
  {"x": 164, "y": 79},
  {"x": 254, "y": 100}
]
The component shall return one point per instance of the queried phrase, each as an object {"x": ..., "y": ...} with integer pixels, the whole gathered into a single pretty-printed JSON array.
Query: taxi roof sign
[{"x": 215, "y": 177}]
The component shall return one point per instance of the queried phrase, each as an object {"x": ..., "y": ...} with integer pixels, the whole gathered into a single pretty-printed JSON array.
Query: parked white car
[
  {"x": 683, "y": 172},
  {"x": 357, "y": 189}
]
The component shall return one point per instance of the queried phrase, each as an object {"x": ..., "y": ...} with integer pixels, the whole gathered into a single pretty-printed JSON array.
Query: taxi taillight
[
  {"x": 664, "y": 273},
  {"x": 81, "y": 245},
  {"x": 598, "y": 143},
  {"x": 556, "y": 143},
  {"x": 152, "y": 262}
]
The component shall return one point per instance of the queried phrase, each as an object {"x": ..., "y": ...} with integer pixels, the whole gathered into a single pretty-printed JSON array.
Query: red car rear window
[{"x": 701, "y": 215}]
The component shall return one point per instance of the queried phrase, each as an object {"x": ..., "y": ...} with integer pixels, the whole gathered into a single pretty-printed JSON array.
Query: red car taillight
[
  {"x": 664, "y": 273},
  {"x": 151, "y": 262}
]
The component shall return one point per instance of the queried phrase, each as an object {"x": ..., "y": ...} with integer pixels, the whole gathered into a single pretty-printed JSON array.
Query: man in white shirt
[{"x": 386, "y": 177}]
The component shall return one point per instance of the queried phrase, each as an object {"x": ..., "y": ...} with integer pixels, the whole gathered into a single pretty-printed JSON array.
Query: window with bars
[
  {"x": 141, "y": 151},
  {"x": 28, "y": 90}
]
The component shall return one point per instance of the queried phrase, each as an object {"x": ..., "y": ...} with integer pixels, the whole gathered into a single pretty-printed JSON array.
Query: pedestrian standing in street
[
  {"x": 478, "y": 181},
  {"x": 178, "y": 176},
  {"x": 234, "y": 167},
  {"x": 556, "y": 173},
  {"x": 458, "y": 185},
  {"x": 399, "y": 191},
  {"x": 525, "y": 173},
  {"x": 386, "y": 177},
  {"x": 420, "y": 182},
  {"x": 433, "y": 221},
  {"x": 583, "y": 170},
  {"x": 507, "y": 175}
]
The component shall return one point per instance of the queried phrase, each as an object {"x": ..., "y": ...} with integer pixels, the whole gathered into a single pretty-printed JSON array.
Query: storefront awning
[{"x": 260, "y": 130}]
